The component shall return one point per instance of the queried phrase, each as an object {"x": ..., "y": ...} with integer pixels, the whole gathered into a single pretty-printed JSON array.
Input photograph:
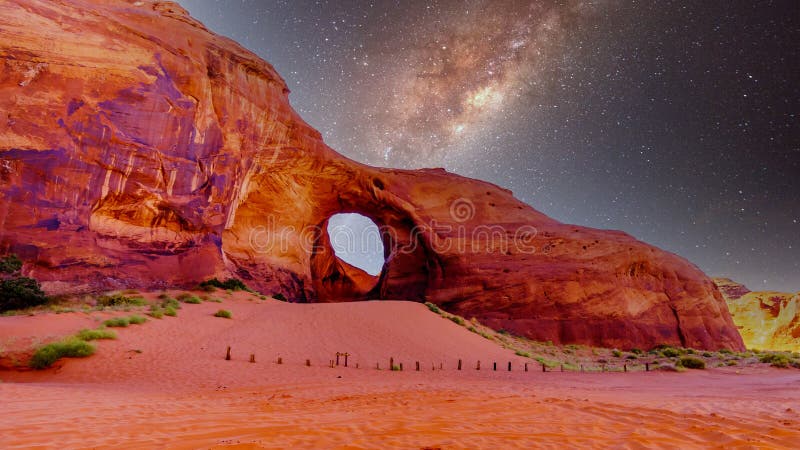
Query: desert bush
[
  {"x": 280, "y": 297},
  {"x": 616, "y": 353},
  {"x": 10, "y": 264},
  {"x": 189, "y": 298},
  {"x": 433, "y": 307},
  {"x": 690, "y": 362},
  {"x": 636, "y": 351},
  {"x": 457, "y": 320},
  {"x": 91, "y": 335},
  {"x": 120, "y": 300},
  {"x": 523, "y": 354},
  {"x": 137, "y": 320},
  {"x": 631, "y": 357},
  {"x": 19, "y": 293},
  {"x": 170, "y": 311},
  {"x": 670, "y": 352},
  {"x": 170, "y": 303},
  {"x": 775, "y": 359},
  {"x": 230, "y": 284},
  {"x": 156, "y": 312},
  {"x": 224, "y": 313},
  {"x": 707, "y": 354},
  {"x": 117, "y": 322},
  {"x": 73, "y": 347},
  {"x": 725, "y": 351}
]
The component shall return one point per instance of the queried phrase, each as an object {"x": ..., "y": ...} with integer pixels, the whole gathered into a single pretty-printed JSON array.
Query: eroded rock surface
[
  {"x": 138, "y": 149},
  {"x": 767, "y": 320}
]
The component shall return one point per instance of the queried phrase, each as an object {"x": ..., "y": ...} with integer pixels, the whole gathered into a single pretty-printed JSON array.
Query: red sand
[{"x": 179, "y": 392}]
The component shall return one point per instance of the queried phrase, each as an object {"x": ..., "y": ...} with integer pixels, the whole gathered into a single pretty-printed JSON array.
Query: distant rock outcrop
[
  {"x": 137, "y": 149},
  {"x": 766, "y": 320}
]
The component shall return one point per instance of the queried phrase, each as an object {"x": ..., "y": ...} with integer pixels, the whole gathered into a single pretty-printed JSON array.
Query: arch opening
[{"x": 356, "y": 240}]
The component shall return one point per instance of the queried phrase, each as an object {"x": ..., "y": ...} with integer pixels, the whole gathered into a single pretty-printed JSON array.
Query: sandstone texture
[
  {"x": 138, "y": 149},
  {"x": 766, "y": 320}
]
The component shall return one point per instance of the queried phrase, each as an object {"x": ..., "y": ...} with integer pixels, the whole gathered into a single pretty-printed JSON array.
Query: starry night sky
[{"x": 676, "y": 122}]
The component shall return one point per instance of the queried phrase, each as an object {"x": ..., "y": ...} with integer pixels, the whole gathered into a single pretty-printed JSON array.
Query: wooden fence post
[
  {"x": 346, "y": 355},
  {"x": 308, "y": 363},
  {"x": 526, "y": 367},
  {"x": 624, "y": 367},
  {"x": 494, "y": 366},
  {"x": 252, "y": 357},
  {"x": 459, "y": 364},
  {"x": 544, "y": 368},
  {"x": 509, "y": 366},
  {"x": 478, "y": 367},
  {"x": 228, "y": 354},
  {"x": 417, "y": 366},
  {"x": 337, "y": 358},
  {"x": 647, "y": 367},
  {"x": 280, "y": 360},
  {"x": 401, "y": 367},
  {"x": 562, "y": 367},
  {"x": 391, "y": 363}
]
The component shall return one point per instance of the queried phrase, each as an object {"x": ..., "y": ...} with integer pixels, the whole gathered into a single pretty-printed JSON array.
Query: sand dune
[{"x": 165, "y": 384}]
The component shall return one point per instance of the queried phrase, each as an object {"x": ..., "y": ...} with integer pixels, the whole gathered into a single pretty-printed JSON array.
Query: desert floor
[{"x": 166, "y": 384}]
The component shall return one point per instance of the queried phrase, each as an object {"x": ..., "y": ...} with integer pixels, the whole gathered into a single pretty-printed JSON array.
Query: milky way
[
  {"x": 458, "y": 78},
  {"x": 674, "y": 121}
]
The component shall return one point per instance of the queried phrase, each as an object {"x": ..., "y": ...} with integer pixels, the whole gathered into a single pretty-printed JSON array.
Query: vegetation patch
[
  {"x": 224, "y": 313},
  {"x": 92, "y": 335},
  {"x": 189, "y": 298},
  {"x": 433, "y": 307},
  {"x": 691, "y": 362},
  {"x": 72, "y": 347},
  {"x": 280, "y": 297},
  {"x": 120, "y": 299},
  {"x": 117, "y": 322},
  {"x": 20, "y": 293},
  {"x": 230, "y": 284}
]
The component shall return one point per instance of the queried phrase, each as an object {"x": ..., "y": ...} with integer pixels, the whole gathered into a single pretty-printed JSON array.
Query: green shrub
[
  {"x": 156, "y": 312},
  {"x": 189, "y": 298},
  {"x": 73, "y": 347},
  {"x": 137, "y": 320},
  {"x": 433, "y": 307},
  {"x": 224, "y": 313},
  {"x": 170, "y": 303},
  {"x": 690, "y": 362},
  {"x": 725, "y": 351},
  {"x": 91, "y": 335},
  {"x": 230, "y": 284},
  {"x": 616, "y": 353},
  {"x": 457, "y": 320},
  {"x": 636, "y": 351},
  {"x": 19, "y": 293},
  {"x": 670, "y": 352},
  {"x": 170, "y": 311},
  {"x": 523, "y": 354},
  {"x": 120, "y": 300},
  {"x": 280, "y": 297},
  {"x": 775, "y": 359},
  {"x": 10, "y": 264},
  {"x": 707, "y": 354},
  {"x": 631, "y": 357},
  {"x": 119, "y": 322}
]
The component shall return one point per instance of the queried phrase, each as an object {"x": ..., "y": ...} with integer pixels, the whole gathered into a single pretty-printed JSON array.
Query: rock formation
[
  {"x": 766, "y": 320},
  {"x": 137, "y": 149}
]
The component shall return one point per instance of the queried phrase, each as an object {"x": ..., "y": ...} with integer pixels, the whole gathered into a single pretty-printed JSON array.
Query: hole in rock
[{"x": 356, "y": 240}]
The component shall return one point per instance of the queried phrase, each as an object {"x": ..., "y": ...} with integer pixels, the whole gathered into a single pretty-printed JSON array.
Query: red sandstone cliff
[{"x": 139, "y": 149}]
